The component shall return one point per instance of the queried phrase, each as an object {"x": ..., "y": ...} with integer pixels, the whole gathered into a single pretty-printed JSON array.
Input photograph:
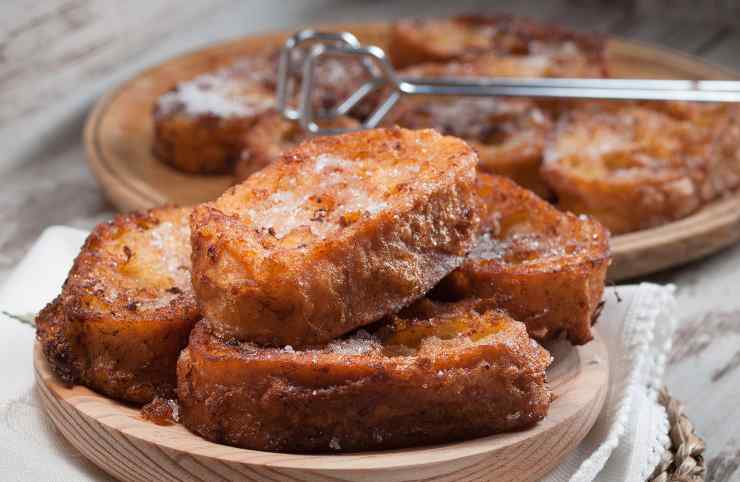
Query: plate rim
[{"x": 593, "y": 378}]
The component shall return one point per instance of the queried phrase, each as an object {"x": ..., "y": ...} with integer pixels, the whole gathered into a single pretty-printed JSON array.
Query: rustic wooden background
[{"x": 58, "y": 56}]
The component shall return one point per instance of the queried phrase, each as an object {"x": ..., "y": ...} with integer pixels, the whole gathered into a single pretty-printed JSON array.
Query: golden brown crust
[
  {"x": 271, "y": 135},
  {"x": 203, "y": 144},
  {"x": 336, "y": 234},
  {"x": 199, "y": 124},
  {"x": 544, "y": 267},
  {"x": 630, "y": 166},
  {"x": 58, "y": 342},
  {"x": 467, "y": 37},
  {"x": 126, "y": 308},
  {"x": 454, "y": 373}
]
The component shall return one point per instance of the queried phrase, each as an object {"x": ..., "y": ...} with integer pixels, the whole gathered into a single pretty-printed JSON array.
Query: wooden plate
[
  {"x": 115, "y": 437},
  {"x": 118, "y": 136}
]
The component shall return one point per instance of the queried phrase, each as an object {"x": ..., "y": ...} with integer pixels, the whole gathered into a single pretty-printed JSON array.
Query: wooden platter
[
  {"x": 118, "y": 137},
  {"x": 115, "y": 437}
]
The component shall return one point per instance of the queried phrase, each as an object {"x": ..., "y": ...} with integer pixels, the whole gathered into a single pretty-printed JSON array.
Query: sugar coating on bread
[
  {"x": 242, "y": 89},
  {"x": 336, "y": 234},
  {"x": 126, "y": 308},
  {"x": 434, "y": 373},
  {"x": 545, "y": 267}
]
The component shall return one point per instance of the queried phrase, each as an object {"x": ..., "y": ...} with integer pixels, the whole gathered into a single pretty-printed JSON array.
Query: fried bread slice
[
  {"x": 503, "y": 65},
  {"x": 529, "y": 66},
  {"x": 466, "y": 37},
  {"x": 126, "y": 308},
  {"x": 508, "y": 134},
  {"x": 432, "y": 374},
  {"x": 199, "y": 124},
  {"x": 336, "y": 234},
  {"x": 544, "y": 267},
  {"x": 271, "y": 135},
  {"x": 630, "y": 166}
]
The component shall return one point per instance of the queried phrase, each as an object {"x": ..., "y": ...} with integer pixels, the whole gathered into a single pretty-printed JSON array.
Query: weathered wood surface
[{"x": 57, "y": 56}]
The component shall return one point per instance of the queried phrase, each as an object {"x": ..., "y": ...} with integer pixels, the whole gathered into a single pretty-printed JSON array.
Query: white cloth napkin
[{"x": 625, "y": 444}]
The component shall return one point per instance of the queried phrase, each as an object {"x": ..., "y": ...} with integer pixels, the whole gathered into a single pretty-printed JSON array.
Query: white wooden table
[{"x": 58, "y": 56}]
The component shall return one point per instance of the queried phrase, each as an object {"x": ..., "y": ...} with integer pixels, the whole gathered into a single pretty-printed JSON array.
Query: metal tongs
[{"x": 302, "y": 52}]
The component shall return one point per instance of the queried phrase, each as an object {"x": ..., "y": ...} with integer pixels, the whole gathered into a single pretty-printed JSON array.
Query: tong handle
[
  {"x": 617, "y": 89},
  {"x": 382, "y": 74}
]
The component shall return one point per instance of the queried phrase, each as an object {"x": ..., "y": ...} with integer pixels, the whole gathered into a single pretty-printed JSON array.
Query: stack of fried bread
[
  {"x": 364, "y": 291},
  {"x": 630, "y": 165}
]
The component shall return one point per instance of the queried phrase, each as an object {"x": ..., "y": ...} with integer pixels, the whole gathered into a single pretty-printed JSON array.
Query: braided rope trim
[{"x": 684, "y": 462}]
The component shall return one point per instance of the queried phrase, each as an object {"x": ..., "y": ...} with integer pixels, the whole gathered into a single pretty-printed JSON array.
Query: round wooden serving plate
[
  {"x": 118, "y": 136},
  {"x": 115, "y": 437}
]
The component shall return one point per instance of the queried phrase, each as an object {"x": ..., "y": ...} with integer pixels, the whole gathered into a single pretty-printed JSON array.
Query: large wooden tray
[
  {"x": 115, "y": 437},
  {"x": 118, "y": 136}
]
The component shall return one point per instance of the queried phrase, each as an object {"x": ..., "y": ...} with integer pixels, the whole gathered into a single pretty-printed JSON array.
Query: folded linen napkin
[{"x": 626, "y": 443}]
